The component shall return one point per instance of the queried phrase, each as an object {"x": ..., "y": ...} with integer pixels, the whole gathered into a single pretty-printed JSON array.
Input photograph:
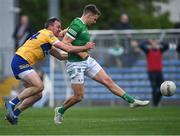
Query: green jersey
[{"x": 79, "y": 33}]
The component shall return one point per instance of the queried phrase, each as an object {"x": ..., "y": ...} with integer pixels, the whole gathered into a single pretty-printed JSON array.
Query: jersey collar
[{"x": 81, "y": 20}]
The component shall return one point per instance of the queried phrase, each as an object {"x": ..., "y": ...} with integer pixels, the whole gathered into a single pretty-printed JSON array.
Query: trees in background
[
  {"x": 37, "y": 10},
  {"x": 142, "y": 13}
]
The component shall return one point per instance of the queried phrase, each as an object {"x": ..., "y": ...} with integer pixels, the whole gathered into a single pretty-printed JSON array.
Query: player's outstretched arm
[
  {"x": 67, "y": 40},
  {"x": 59, "y": 54},
  {"x": 74, "y": 49}
]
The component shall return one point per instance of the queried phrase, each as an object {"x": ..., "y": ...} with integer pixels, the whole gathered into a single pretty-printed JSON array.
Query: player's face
[
  {"x": 56, "y": 28},
  {"x": 92, "y": 19}
]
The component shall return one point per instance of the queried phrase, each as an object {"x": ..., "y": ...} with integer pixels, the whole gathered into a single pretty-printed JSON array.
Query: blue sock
[
  {"x": 17, "y": 112},
  {"x": 14, "y": 101}
]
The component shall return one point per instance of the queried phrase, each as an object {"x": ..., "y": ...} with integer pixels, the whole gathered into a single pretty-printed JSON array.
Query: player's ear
[{"x": 46, "y": 25}]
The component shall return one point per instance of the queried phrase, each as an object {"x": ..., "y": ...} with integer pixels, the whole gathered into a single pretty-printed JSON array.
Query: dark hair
[
  {"x": 50, "y": 21},
  {"x": 91, "y": 8}
]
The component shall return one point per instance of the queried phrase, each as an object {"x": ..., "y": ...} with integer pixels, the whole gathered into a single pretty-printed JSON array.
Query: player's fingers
[{"x": 92, "y": 45}]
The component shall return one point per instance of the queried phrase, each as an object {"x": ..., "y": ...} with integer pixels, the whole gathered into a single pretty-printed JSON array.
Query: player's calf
[{"x": 78, "y": 98}]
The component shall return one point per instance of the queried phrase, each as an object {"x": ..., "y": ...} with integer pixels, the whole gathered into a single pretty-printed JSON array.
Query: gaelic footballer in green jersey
[{"x": 81, "y": 64}]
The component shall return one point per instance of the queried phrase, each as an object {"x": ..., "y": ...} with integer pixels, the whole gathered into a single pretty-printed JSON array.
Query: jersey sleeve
[
  {"x": 164, "y": 46},
  {"x": 52, "y": 39},
  {"x": 73, "y": 31},
  {"x": 144, "y": 46}
]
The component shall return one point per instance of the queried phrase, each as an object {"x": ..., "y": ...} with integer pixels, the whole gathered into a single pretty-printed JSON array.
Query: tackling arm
[
  {"x": 74, "y": 49},
  {"x": 67, "y": 39},
  {"x": 60, "y": 55}
]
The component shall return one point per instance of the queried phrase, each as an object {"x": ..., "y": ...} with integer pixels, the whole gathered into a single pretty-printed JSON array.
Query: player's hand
[
  {"x": 83, "y": 55},
  {"x": 63, "y": 32},
  {"x": 90, "y": 45}
]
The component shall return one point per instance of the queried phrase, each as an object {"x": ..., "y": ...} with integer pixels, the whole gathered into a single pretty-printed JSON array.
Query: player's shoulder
[
  {"x": 46, "y": 33},
  {"x": 78, "y": 22}
]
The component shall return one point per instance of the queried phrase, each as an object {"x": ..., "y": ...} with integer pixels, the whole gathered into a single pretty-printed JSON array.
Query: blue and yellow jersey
[{"x": 37, "y": 46}]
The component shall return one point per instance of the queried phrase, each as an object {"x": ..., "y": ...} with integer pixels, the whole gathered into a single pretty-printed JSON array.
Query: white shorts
[
  {"x": 76, "y": 70},
  {"x": 25, "y": 73}
]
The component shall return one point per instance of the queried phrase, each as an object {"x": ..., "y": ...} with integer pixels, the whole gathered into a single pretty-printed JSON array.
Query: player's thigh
[
  {"x": 22, "y": 70},
  {"x": 75, "y": 71},
  {"x": 78, "y": 89},
  {"x": 96, "y": 72},
  {"x": 33, "y": 79},
  {"x": 93, "y": 68},
  {"x": 77, "y": 83},
  {"x": 101, "y": 76}
]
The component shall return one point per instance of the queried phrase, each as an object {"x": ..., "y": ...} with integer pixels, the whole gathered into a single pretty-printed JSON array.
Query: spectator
[
  {"x": 123, "y": 23},
  {"x": 177, "y": 25},
  {"x": 114, "y": 53},
  {"x": 178, "y": 49},
  {"x": 129, "y": 58},
  {"x": 128, "y": 43},
  {"x": 22, "y": 31},
  {"x": 154, "y": 51}
]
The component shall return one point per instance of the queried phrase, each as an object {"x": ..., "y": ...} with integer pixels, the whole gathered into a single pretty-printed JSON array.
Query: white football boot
[
  {"x": 138, "y": 103},
  {"x": 58, "y": 117}
]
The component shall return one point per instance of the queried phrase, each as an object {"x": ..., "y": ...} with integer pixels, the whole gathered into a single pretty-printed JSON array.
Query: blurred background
[{"x": 118, "y": 34}]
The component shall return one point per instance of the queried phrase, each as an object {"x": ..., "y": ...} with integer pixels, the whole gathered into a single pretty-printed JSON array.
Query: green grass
[{"x": 97, "y": 120}]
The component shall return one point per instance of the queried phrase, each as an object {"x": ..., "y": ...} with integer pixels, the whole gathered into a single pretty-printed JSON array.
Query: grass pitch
[{"x": 96, "y": 120}]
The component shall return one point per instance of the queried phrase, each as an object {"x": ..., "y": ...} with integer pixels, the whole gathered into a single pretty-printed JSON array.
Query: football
[{"x": 168, "y": 88}]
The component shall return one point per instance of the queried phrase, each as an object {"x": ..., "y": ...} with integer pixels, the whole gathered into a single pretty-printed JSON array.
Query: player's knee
[
  {"x": 79, "y": 98},
  {"x": 40, "y": 87},
  {"x": 39, "y": 96}
]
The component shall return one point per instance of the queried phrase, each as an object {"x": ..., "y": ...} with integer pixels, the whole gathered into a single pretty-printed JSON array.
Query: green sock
[
  {"x": 128, "y": 98},
  {"x": 61, "y": 110}
]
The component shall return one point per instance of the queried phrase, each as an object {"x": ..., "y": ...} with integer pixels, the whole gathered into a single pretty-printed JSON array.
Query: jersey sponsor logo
[
  {"x": 23, "y": 66},
  {"x": 34, "y": 36}
]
